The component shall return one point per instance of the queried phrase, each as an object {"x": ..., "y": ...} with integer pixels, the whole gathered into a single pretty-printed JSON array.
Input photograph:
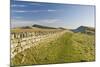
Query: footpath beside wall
[{"x": 26, "y": 39}]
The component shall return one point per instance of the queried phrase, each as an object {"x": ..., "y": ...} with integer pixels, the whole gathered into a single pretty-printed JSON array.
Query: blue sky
[{"x": 25, "y": 13}]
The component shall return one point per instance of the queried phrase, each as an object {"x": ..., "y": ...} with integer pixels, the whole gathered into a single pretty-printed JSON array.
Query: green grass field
[{"x": 70, "y": 47}]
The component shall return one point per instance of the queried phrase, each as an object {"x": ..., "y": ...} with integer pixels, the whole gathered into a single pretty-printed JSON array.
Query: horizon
[
  {"x": 69, "y": 16},
  {"x": 49, "y": 26}
]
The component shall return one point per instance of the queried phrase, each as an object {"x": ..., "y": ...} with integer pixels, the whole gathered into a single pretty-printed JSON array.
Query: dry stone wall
[{"x": 23, "y": 40}]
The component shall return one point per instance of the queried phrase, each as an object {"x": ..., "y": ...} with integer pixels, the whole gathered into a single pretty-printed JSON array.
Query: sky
[{"x": 24, "y": 13}]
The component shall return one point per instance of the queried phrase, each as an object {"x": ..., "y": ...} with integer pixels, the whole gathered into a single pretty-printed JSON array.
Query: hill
[
  {"x": 85, "y": 29},
  {"x": 36, "y": 26},
  {"x": 41, "y": 26}
]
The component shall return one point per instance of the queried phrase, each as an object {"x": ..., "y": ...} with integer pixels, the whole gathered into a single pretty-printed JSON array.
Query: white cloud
[
  {"x": 22, "y": 11},
  {"x": 33, "y": 11},
  {"x": 36, "y": 4},
  {"x": 49, "y": 21},
  {"x": 14, "y": 5},
  {"x": 49, "y": 10},
  {"x": 19, "y": 11},
  {"x": 18, "y": 17}
]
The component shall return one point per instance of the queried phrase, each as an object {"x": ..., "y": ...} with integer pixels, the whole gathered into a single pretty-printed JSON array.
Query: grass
[
  {"x": 70, "y": 47},
  {"x": 18, "y": 30}
]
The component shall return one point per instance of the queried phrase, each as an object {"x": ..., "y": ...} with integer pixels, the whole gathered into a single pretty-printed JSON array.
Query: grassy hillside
[{"x": 70, "y": 47}]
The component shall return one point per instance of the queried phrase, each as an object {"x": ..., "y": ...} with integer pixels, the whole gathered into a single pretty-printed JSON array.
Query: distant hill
[
  {"x": 36, "y": 26},
  {"x": 62, "y": 28},
  {"x": 85, "y": 29},
  {"x": 26, "y": 27},
  {"x": 41, "y": 26}
]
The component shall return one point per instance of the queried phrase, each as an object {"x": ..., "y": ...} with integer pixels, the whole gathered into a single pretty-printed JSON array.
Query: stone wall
[{"x": 23, "y": 40}]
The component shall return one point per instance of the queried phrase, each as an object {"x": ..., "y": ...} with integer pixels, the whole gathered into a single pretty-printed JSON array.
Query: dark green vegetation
[{"x": 70, "y": 47}]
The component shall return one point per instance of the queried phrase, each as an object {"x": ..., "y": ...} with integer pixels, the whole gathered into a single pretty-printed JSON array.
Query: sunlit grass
[{"x": 70, "y": 47}]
